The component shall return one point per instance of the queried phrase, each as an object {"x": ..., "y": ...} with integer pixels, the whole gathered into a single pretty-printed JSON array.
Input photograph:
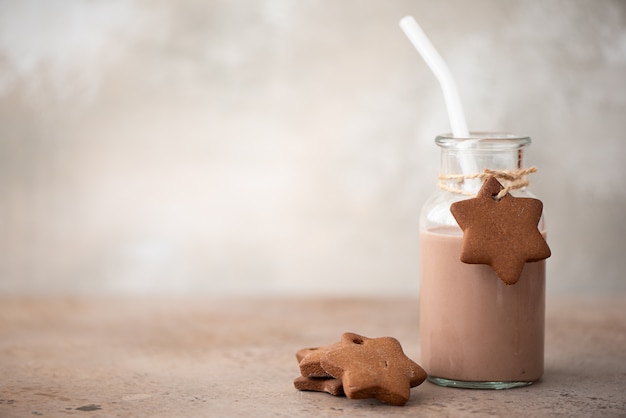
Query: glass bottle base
[{"x": 476, "y": 385}]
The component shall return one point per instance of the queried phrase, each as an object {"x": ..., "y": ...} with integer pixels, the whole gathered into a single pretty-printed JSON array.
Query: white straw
[
  {"x": 426, "y": 49},
  {"x": 453, "y": 103}
]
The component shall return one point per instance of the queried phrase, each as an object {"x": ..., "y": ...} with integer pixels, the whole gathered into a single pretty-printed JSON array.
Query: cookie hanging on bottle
[{"x": 501, "y": 232}]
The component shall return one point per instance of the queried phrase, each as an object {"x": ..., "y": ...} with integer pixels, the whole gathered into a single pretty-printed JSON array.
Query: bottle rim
[{"x": 505, "y": 140}]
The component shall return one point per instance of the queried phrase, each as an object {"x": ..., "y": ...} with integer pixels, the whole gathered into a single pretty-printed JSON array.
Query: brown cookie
[
  {"x": 309, "y": 360},
  {"x": 501, "y": 233},
  {"x": 319, "y": 384},
  {"x": 373, "y": 368}
]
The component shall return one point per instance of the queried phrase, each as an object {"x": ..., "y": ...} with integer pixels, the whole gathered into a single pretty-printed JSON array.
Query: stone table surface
[{"x": 195, "y": 357}]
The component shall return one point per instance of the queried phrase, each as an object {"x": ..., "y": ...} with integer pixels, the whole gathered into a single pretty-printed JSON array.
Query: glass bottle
[{"x": 476, "y": 331}]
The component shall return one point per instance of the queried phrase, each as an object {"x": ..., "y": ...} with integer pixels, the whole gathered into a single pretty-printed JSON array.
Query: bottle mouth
[{"x": 497, "y": 140}]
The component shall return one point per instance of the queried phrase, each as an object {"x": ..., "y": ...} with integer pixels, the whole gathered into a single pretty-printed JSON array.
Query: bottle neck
[
  {"x": 464, "y": 160},
  {"x": 463, "y": 157}
]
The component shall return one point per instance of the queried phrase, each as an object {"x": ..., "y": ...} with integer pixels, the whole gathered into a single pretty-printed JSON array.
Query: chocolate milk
[{"x": 473, "y": 327}]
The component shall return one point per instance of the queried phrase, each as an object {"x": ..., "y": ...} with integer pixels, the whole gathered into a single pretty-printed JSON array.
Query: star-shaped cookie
[
  {"x": 373, "y": 368},
  {"x": 501, "y": 233}
]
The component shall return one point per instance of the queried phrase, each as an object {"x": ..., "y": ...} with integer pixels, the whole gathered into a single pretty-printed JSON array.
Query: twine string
[{"x": 512, "y": 179}]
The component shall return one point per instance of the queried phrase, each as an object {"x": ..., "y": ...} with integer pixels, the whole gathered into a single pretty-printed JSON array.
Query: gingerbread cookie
[
  {"x": 319, "y": 384},
  {"x": 501, "y": 233},
  {"x": 373, "y": 368}
]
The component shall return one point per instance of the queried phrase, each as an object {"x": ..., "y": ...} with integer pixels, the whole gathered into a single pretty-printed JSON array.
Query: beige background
[{"x": 285, "y": 147}]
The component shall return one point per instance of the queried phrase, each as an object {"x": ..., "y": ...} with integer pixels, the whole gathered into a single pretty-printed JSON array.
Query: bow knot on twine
[{"x": 510, "y": 179}]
